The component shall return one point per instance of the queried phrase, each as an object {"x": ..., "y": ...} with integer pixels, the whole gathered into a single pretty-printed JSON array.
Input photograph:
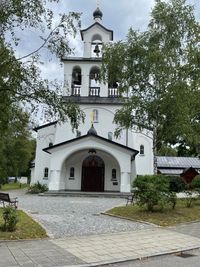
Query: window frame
[
  {"x": 71, "y": 173},
  {"x": 95, "y": 115},
  {"x": 141, "y": 150},
  {"x": 46, "y": 173},
  {"x": 114, "y": 174}
]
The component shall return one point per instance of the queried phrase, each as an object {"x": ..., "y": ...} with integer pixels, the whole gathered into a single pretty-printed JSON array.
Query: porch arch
[{"x": 79, "y": 160}]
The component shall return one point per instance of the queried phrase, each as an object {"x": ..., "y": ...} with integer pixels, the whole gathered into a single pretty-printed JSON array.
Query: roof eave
[
  {"x": 96, "y": 23},
  {"x": 135, "y": 152}
]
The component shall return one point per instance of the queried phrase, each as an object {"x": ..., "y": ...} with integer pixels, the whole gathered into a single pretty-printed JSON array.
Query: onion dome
[
  {"x": 97, "y": 14},
  {"x": 92, "y": 131}
]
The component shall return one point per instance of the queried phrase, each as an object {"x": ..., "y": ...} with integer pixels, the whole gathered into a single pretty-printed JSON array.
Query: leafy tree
[
  {"x": 152, "y": 190},
  {"x": 20, "y": 77},
  {"x": 166, "y": 150},
  {"x": 16, "y": 147},
  {"x": 160, "y": 71}
]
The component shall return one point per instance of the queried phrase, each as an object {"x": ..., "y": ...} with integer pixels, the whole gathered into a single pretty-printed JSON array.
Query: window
[
  {"x": 46, "y": 173},
  {"x": 71, "y": 175},
  {"x": 95, "y": 115},
  {"x": 114, "y": 174},
  {"x": 110, "y": 136},
  {"x": 141, "y": 150}
]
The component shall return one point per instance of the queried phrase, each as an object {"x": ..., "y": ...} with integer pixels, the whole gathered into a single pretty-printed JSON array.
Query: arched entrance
[{"x": 93, "y": 174}]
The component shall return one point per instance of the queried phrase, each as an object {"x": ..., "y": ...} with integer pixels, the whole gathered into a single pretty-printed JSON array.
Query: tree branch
[{"x": 39, "y": 48}]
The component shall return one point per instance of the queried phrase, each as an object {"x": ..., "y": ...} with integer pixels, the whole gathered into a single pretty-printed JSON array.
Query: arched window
[
  {"x": 110, "y": 136},
  {"x": 76, "y": 81},
  {"x": 114, "y": 174},
  {"x": 94, "y": 82},
  {"x": 95, "y": 115},
  {"x": 96, "y": 45},
  {"x": 71, "y": 174},
  {"x": 46, "y": 173},
  {"x": 141, "y": 149}
]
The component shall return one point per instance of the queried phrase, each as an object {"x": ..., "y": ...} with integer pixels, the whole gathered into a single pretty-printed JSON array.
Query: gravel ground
[{"x": 75, "y": 216}]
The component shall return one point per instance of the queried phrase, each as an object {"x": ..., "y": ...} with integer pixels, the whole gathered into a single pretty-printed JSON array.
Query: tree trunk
[{"x": 155, "y": 167}]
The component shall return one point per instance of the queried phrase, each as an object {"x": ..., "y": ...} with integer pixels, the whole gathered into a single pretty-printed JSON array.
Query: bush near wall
[
  {"x": 37, "y": 188},
  {"x": 176, "y": 184},
  {"x": 153, "y": 191}
]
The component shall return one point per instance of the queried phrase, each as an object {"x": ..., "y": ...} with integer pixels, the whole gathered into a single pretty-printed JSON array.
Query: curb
[
  {"x": 127, "y": 259},
  {"x": 132, "y": 220}
]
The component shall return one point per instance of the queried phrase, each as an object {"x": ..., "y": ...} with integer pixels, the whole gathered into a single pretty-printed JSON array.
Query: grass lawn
[
  {"x": 167, "y": 217},
  {"x": 12, "y": 186},
  {"x": 27, "y": 228}
]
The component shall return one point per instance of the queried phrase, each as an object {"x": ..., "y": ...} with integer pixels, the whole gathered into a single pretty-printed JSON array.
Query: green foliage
[
  {"x": 169, "y": 217},
  {"x": 21, "y": 83},
  {"x": 151, "y": 190},
  {"x": 172, "y": 199},
  {"x": 160, "y": 68},
  {"x": 37, "y": 188},
  {"x": 189, "y": 198},
  {"x": 165, "y": 150},
  {"x": 176, "y": 184},
  {"x": 10, "y": 218},
  {"x": 3, "y": 181},
  {"x": 13, "y": 186},
  {"x": 196, "y": 183},
  {"x": 16, "y": 146},
  {"x": 27, "y": 228}
]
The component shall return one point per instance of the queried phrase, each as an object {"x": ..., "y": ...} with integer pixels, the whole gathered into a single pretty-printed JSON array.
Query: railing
[
  {"x": 76, "y": 91},
  {"x": 94, "y": 91},
  {"x": 113, "y": 92}
]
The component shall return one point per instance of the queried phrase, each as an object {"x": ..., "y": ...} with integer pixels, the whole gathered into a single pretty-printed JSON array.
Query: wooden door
[{"x": 93, "y": 174}]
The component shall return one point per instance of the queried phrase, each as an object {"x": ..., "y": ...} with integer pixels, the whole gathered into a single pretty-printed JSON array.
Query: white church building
[{"x": 91, "y": 159}]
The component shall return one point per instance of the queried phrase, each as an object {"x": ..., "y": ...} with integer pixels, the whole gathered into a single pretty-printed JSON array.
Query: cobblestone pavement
[{"x": 75, "y": 216}]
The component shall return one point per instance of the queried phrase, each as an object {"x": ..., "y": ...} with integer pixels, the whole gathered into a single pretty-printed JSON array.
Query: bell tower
[
  {"x": 82, "y": 74},
  {"x": 95, "y": 35}
]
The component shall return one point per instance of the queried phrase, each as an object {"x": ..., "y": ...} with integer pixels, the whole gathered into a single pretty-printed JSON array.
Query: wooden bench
[
  {"x": 130, "y": 199},
  {"x": 4, "y": 197}
]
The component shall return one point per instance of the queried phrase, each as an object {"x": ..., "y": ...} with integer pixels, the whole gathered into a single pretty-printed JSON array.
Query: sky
[{"x": 118, "y": 15}]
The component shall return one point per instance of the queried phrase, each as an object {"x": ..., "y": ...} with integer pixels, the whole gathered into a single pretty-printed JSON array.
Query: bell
[
  {"x": 76, "y": 79},
  {"x": 96, "y": 50},
  {"x": 96, "y": 77}
]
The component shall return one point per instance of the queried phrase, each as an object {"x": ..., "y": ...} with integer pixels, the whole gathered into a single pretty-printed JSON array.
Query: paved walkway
[
  {"x": 121, "y": 240},
  {"x": 94, "y": 250}
]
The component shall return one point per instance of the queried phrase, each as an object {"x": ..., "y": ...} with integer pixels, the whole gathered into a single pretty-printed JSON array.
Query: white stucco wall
[
  {"x": 45, "y": 136},
  {"x": 60, "y": 154},
  {"x": 76, "y": 160}
]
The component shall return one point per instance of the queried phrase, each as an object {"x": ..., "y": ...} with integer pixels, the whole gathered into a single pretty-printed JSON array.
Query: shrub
[
  {"x": 176, "y": 184},
  {"x": 152, "y": 190},
  {"x": 172, "y": 199},
  {"x": 196, "y": 183},
  {"x": 10, "y": 218},
  {"x": 38, "y": 188}
]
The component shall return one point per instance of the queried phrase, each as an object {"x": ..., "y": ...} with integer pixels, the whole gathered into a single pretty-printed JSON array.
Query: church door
[{"x": 93, "y": 174}]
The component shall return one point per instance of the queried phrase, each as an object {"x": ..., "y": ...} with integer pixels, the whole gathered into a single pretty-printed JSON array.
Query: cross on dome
[{"x": 97, "y": 14}]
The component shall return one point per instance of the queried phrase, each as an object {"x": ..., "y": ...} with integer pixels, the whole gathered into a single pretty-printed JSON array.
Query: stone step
[{"x": 84, "y": 194}]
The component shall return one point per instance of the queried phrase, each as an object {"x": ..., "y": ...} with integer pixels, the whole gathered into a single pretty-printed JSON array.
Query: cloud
[{"x": 118, "y": 15}]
